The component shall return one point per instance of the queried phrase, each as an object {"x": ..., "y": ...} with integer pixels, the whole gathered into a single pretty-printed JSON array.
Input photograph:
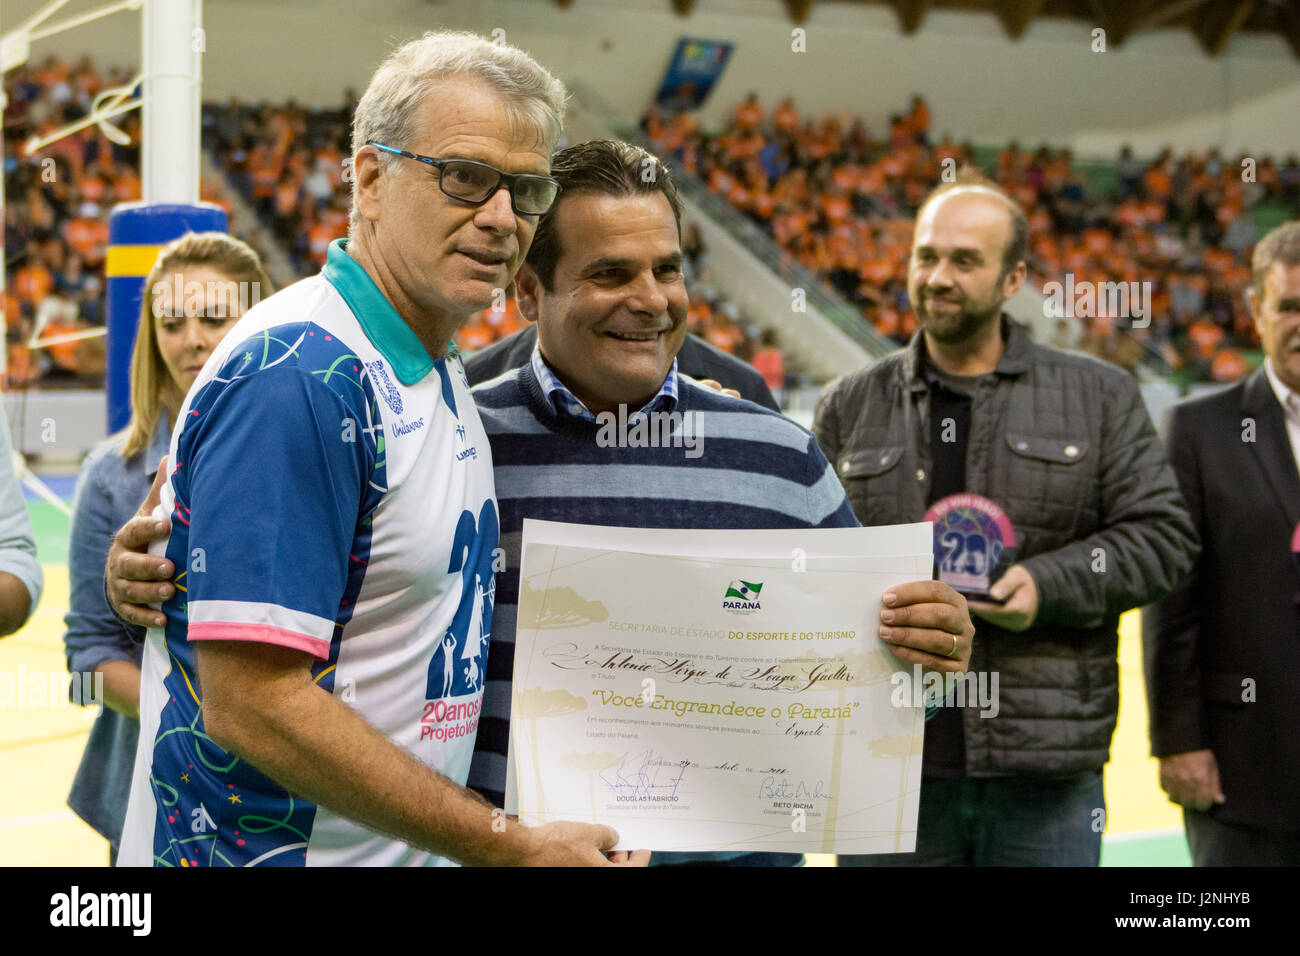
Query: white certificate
[{"x": 716, "y": 690}]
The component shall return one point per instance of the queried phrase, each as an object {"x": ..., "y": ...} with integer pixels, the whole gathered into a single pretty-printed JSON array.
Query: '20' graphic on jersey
[{"x": 459, "y": 666}]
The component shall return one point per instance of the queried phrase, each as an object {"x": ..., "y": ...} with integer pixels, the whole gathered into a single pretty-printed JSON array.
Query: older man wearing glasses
[{"x": 311, "y": 690}]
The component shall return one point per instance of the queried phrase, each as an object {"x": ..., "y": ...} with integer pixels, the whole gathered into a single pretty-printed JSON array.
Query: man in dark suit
[
  {"x": 698, "y": 359},
  {"x": 1223, "y": 649}
]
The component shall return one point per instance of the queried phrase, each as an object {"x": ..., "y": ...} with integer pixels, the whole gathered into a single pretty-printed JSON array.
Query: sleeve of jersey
[{"x": 276, "y": 481}]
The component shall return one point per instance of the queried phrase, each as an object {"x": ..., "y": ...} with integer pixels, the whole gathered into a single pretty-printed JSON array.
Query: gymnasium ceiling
[{"x": 1213, "y": 22}]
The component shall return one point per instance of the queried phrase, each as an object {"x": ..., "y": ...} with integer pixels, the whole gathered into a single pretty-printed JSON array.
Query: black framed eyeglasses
[{"x": 475, "y": 183}]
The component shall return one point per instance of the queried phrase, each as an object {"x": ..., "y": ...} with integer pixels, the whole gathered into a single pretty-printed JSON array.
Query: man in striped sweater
[{"x": 600, "y": 427}]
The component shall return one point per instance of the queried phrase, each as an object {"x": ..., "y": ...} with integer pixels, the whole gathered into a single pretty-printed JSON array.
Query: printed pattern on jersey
[{"x": 237, "y": 583}]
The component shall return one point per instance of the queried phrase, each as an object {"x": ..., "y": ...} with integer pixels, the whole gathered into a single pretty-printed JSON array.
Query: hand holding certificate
[{"x": 695, "y": 699}]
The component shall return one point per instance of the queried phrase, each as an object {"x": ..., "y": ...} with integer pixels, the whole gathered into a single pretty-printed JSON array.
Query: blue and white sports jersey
[{"x": 330, "y": 491}]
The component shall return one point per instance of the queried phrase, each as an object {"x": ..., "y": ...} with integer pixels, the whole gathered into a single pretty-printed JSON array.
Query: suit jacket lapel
[{"x": 1272, "y": 447}]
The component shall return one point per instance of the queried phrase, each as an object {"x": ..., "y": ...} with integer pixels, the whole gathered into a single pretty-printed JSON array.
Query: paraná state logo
[{"x": 742, "y": 597}]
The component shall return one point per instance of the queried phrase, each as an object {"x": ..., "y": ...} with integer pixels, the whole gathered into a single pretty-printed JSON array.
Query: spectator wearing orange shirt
[
  {"x": 770, "y": 364},
  {"x": 749, "y": 114},
  {"x": 505, "y": 321},
  {"x": 33, "y": 281},
  {"x": 1204, "y": 338},
  {"x": 918, "y": 121},
  {"x": 785, "y": 119},
  {"x": 1228, "y": 365},
  {"x": 474, "y": 334},
  {"x": 319, "y": 237}
]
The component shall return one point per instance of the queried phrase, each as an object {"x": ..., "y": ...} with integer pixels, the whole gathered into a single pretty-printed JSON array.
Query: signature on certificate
[
  {"x": 783, "y": 788},
  {"x": 645, "y": 777}
]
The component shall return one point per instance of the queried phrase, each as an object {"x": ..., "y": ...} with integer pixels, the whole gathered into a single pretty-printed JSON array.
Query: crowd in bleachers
[
  {"x": 289, "y": 163},
  {"x": 841, "y": 202},
  {"x": 57, "y": 203},
  {"x": 835, "y": 198}
]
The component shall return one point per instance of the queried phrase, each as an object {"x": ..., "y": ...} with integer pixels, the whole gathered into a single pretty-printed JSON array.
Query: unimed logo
[{"x": 75, "y": 908}]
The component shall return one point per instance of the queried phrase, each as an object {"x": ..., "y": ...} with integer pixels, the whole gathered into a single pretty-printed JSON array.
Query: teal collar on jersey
[{"x": 385, "y": 329}]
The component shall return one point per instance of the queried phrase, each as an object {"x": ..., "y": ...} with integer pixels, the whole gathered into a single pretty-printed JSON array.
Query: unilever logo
[{"x": 379, "y": 377}]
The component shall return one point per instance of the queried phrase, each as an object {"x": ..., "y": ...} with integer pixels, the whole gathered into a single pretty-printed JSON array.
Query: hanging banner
[{"x": 695, "y": 68}]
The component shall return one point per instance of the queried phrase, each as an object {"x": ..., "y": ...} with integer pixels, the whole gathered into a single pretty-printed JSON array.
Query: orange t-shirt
[
  {"x": 1158, "y": 182},
  {"x": 506, "y": 322},
  {"x": 725, "y": 338},
  {"x": 749, "y": 115},
  {"x": 919, "y": 118},
  {"x": 84, "y": 235},
  {"x": 771, "y": 365},
  {"x": 836, "y": 208},
  {"x": 127, "y": 184},
  {"x": 33, "y": 283},
  {"x": 13, "y": 310},
  {"x": 786, "y": 118},
  {"x": 1205, "y": 337},
  {"x": 64, "y": 354},
  {"x": 92, "y": 189},
  {"x": 475, "y": 334},
  {"x": 286, "y": 199},
  {"x": 1228, "y": 366},
  {"x": 319, "y": 238}
]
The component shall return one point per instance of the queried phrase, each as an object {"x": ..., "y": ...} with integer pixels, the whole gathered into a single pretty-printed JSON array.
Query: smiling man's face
[
  {"x": 1277, "y": 319},
  {"x": 956, "y": 281},
  {"x": 615, "y": 316}
]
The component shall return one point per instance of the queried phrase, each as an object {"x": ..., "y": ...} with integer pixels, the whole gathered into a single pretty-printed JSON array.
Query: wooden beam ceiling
[
  {"x": 911, "y": 13},
  {"x": 1216, "y": 22},
  {"x": 1016, "y": 15},
  {"x": 798, "y": 9}
]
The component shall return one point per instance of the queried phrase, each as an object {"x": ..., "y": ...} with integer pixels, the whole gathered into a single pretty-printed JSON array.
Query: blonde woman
[{"x": 199, "y": 287}]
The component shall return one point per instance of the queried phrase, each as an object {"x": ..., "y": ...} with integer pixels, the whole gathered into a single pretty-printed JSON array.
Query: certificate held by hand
[{"x": 716, "y": 690}]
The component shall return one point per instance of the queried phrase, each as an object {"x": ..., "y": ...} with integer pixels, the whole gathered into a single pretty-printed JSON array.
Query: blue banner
[{"x": 695, "y": 68}]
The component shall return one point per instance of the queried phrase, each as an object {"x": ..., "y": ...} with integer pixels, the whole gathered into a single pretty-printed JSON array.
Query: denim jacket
[{"x": 109, "y": 492}]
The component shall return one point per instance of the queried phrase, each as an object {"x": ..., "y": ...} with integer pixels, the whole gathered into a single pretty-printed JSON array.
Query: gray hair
[
  {"x": 1280, "y": 245},
  {"x": 388, "y": 110}
]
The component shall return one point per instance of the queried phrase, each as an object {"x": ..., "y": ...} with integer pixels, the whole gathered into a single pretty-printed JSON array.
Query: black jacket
[
  {"x": 1064, "y": 444},
  {"x": 1221, "y": 652},
  {"x": 698, "y": 359}
]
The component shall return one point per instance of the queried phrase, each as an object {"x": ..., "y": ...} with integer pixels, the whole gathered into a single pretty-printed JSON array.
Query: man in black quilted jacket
[{"x": 1064, "y": 446}]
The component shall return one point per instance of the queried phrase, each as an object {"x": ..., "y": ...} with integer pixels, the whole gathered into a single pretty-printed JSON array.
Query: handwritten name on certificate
[{"x": 698, "y": 701}]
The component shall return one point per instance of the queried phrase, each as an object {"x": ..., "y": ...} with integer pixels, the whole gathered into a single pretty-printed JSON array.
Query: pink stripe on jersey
[{"x": 261, "y": 633}]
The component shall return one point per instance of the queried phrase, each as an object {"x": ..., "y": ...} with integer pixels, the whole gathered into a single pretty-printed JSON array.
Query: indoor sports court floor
[{"x": 40, "y": 747}]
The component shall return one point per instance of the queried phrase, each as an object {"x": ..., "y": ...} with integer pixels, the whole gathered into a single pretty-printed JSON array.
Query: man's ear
[
  {"x": 527, "y": 292},
  {"x": 368, "y": 169}
]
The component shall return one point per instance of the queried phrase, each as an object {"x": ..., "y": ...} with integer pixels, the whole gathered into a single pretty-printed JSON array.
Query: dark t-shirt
[{"x": 950, "y": 413}]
